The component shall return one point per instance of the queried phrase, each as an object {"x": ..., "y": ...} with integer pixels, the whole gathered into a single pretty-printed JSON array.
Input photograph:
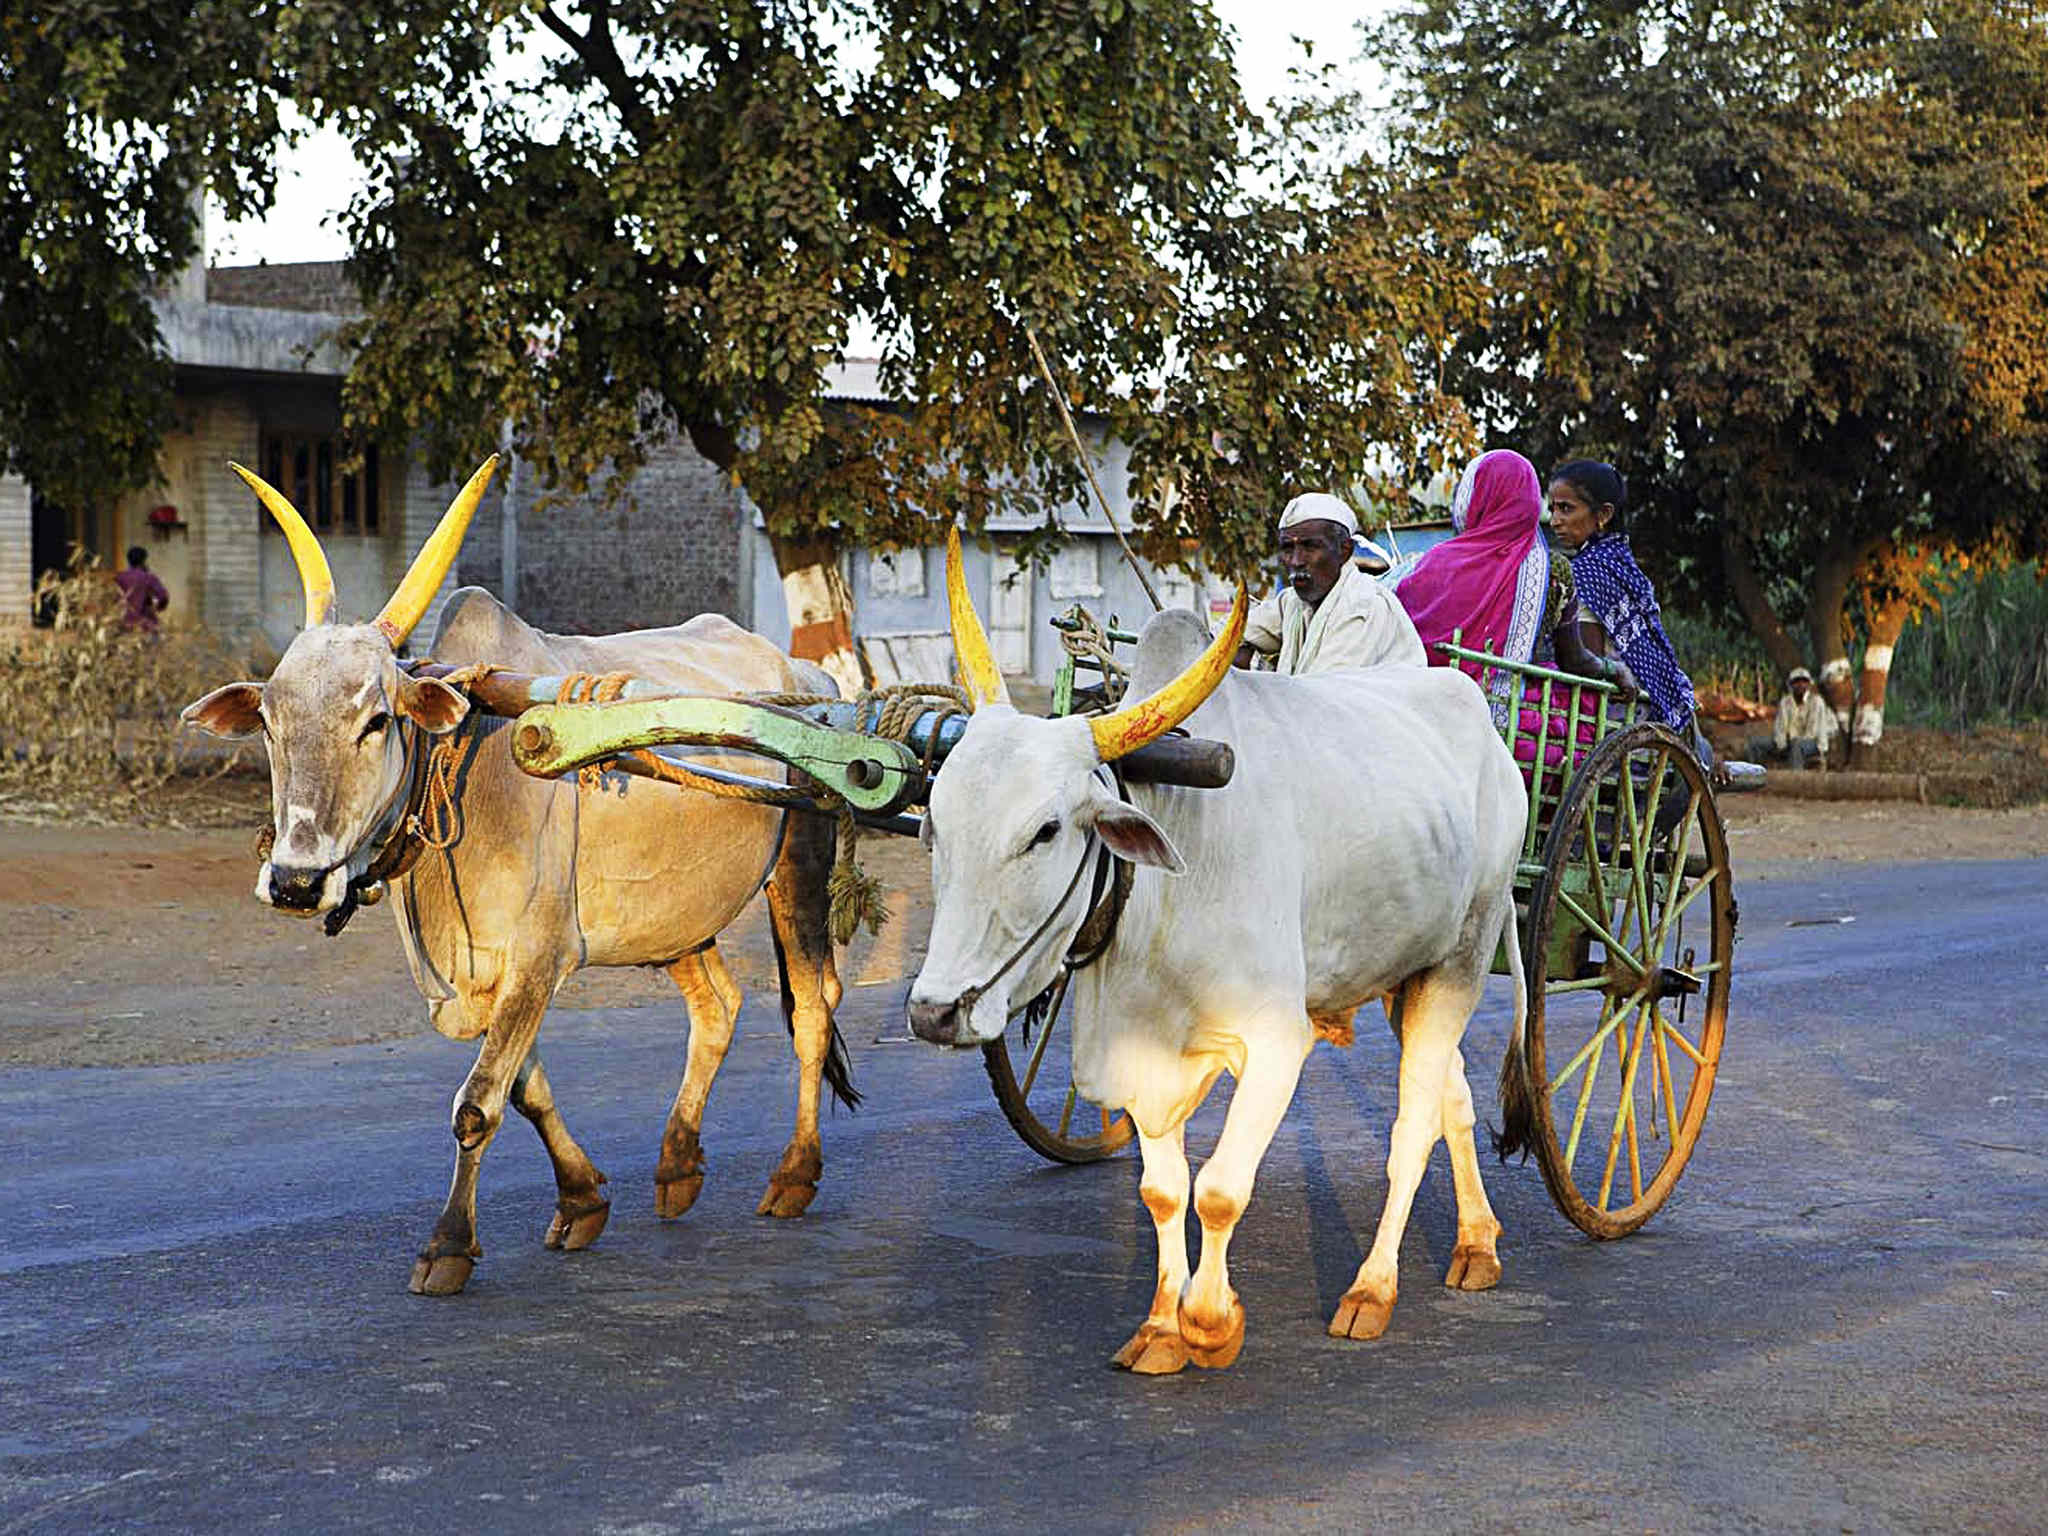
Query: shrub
[
  {"x": 1982, "y": 658},
  {"x": 89, "y": 707}
]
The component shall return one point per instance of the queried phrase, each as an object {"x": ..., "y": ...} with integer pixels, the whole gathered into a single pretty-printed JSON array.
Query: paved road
[{"x": 1836, "y": 1324}]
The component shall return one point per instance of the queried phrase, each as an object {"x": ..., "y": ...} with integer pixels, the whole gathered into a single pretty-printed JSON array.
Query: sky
[{"x": 316, "y": 180}]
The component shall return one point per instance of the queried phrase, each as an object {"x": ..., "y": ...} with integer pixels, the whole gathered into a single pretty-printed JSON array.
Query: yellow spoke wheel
[
  {"x": 1627, "y": 948},
  {"x": 1031, "y": 1070}
]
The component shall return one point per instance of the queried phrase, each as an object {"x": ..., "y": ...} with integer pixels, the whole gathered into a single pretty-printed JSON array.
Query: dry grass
[{"x": 89, "y": 708}]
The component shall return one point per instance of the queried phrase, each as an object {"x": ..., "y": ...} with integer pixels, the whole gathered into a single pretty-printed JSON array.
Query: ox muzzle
[
  {"x": 955, "y": 1023},
  {"x": 302, "y": 892}
]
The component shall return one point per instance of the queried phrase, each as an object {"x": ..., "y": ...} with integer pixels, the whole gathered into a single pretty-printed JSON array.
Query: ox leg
[
  {"x": 1432, "y": 1015},
  {"x": 451, "y": 1252},
  {"x": 1211, "y": 1316},
  {"x": 1157, "y": 1349},
  {"x": 799, "y": 908},
  {"x": 1475, "y": 1261},
  {"x": 713, "y": 998},
  {"x": 581, "y": 1208}
]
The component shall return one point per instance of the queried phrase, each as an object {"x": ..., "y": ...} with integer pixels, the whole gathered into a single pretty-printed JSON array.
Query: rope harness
[{"x": 1088, "y": 641}]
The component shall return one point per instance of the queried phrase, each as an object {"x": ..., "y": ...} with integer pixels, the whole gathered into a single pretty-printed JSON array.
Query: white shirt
[
  {"x": 1358, "y": 624},
  {"x": 1812, "y": 721}
]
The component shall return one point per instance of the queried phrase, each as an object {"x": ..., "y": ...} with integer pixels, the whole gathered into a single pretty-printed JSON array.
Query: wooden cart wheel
[
  {"x": 1034, "y": 1083},
  {"x": 1628, "y": 946}
]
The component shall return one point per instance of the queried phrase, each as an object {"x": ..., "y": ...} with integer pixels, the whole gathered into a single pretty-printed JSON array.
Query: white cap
[{"x": 1319, "y": 505}]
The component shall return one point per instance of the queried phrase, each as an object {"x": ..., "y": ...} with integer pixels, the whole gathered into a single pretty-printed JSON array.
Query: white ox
[
  {"x": 1364, "y": 848},
  {"x": 537, "y": 879}
]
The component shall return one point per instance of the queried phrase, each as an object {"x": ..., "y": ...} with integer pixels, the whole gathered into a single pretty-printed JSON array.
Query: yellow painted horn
[
  {"x": 1156, "y": 714},
  {"x": 979, "y": 674},
  {"x": 431, "y": 564},
  {"x": 305, "y": 546}
]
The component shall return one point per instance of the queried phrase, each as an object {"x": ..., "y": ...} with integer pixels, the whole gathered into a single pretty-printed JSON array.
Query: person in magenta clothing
[
  {"x": 1495, "y": 584},
  {"x": 143, "y": 594}
]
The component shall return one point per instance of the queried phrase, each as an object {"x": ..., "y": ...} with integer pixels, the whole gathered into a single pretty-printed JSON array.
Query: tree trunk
[
  {"x": 1895, "y": 581},
  {"x": 820, "y": 608},
  {"x": 1826, "y": 603},
  {"x": 1765, "y": 624},
  {"x": 819, "y": 601}
]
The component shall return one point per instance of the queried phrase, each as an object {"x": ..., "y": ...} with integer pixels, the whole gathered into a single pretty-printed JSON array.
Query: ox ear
[
  {"x": 431, "y": 704},
  {"x": 1132, "y": 835},
  {"x": 228, "y": 712}
]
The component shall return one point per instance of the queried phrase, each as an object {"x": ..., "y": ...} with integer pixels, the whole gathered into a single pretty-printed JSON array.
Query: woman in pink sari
[{"x": 1495, "y": 585}]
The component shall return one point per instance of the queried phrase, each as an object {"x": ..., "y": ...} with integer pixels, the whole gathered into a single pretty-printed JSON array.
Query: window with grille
[{"x": 308, "y": 471}]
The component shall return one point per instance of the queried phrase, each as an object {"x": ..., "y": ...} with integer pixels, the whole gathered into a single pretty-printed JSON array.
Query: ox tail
[
  {"x": 838, "y": 1067},
  {"x": 1517, "y": 1110}
]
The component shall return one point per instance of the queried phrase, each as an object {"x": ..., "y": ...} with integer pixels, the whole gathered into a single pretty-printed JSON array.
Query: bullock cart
[
  {"x": 867, "y": 761},
  {"x": 1624, "y": 896}
]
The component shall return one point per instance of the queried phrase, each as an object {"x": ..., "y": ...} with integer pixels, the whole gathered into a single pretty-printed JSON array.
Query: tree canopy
[
  {"x": 1826, "y": 334},
  {"x": 602, "y": 220},
  {"x": 114, "y": 114}
]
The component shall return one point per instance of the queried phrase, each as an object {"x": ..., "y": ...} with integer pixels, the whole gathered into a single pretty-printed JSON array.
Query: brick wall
[
  {"x": 668, "y": 550},
  {"x": 17, "y": 532},
  {"x": 316, "y": 287},
  {"x": 227, "y": 553}
]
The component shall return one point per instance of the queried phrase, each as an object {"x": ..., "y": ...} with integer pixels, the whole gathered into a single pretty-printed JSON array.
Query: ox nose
[
  {"x": 937, "y": 1022},
  {"x": 296, "y": 890}
]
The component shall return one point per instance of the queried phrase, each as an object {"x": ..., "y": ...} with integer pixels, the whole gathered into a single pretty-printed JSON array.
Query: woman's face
[{"x": 1572, "y": 518}]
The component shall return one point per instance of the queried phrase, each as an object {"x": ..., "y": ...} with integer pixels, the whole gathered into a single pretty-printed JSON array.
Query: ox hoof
[
  {"x": 786, "y": 1200},
  {"x": 672, "y": 1197},
  {"x": 1153, "y": 1351},
  {"x": 1360, "y": 1316},
  {"x": 1214, "y": 1348},
  {"x": 1473, "y": 1268},
  {"x": 577, "y": 1226},
  {"x": 445, "y": 1275}
]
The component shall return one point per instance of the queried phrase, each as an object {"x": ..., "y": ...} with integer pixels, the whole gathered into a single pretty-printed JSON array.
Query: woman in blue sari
[{"x": 1586, "y": 503}]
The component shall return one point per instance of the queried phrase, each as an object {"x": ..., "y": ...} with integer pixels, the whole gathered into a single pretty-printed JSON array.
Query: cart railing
[{"x": 1569, "y": 716}]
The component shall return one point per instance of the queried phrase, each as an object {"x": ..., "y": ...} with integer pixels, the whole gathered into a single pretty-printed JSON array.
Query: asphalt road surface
[{"x": 1836, "y": 1324}]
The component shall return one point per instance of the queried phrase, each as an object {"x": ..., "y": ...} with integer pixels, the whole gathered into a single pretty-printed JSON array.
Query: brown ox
[{"x": 537, "y": 879}]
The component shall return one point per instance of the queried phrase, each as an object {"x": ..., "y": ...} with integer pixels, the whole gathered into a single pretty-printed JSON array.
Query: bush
[
  {"x": 89, "y": 707},
  {"x": 1723, "y": 660},
  {"x": 1982, "y": 658}
]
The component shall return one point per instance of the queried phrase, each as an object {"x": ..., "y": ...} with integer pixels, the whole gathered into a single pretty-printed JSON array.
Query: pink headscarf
[{"x": 1481, "y": 581}]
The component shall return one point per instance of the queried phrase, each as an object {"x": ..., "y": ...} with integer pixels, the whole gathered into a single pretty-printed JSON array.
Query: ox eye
[
  {"x": 1044, "y": 835},
  {"x": 373, "y": 725}
]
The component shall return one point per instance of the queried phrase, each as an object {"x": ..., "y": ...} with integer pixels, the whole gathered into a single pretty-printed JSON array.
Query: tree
[
  {"x": 114, "y": 114},
  {"x": 613, "y": 219},
  {"x": 1822, "y": 344}
]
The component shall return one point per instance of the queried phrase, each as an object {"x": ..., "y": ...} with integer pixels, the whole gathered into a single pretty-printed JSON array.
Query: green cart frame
[{"x": 1626, "y": 913}]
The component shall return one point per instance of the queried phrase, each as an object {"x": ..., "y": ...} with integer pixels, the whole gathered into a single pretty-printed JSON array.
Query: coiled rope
[{"x": 890, "y": 712}]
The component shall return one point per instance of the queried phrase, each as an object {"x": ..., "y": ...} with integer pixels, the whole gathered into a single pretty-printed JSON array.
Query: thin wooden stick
[{"x": 1088, "y": 468}]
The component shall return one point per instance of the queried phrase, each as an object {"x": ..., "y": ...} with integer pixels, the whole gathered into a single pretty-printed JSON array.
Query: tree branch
[
  {"x": 1764, "y": 622},
  {"x": 600, "y": 55}
]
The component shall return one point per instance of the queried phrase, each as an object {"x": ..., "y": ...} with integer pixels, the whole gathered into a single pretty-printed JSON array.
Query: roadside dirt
[{"x": 144, "y": 945}]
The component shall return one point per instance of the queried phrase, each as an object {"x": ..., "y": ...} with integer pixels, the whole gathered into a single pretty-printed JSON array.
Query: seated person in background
[
  {"x": 1495, "y": 585},
  {"x": 1328, "y": 616},
  {"x": 1804, "y": 728},
  {"x": 1586, "y": 503}
]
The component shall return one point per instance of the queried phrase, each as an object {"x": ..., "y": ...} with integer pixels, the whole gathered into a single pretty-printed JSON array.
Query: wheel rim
[
  {"x": 1629, "y": 947},
  {"x": 1031, "y": 1070}
]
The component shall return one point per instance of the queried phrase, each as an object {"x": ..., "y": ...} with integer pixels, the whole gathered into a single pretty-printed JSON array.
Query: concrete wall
[
  {"x": 16, "y": 551},
  {"x": 668, "y": 550}
]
